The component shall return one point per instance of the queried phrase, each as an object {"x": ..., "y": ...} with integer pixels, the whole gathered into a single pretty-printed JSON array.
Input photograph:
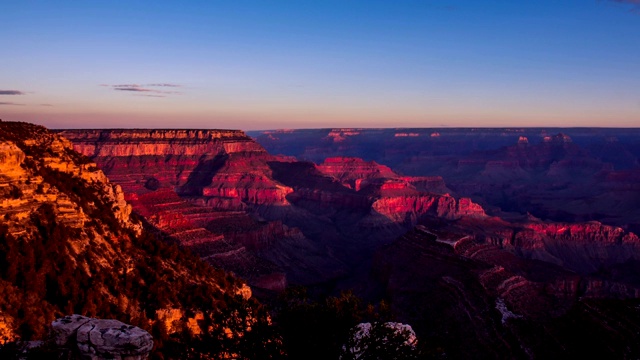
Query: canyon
[
  {"x": 270, "y": 219},
  {"x": 427, "y": 232},
  {"x": 274, "y": 219}
]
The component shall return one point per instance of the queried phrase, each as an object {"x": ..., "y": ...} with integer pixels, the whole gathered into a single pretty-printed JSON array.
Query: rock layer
[{"x": 184, "y": 180}]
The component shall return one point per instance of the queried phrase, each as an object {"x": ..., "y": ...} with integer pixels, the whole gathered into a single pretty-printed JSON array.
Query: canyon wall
[{"x": 261, "y": 216}]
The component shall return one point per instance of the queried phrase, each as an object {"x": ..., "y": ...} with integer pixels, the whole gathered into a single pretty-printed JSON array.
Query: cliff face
[
  {"x": 30, "y": 180},
  {"x": 351, "y": 171},
  {"x": 168, "y": 156},
  {"x": 69, "y": 244},
  {"x": 183, "y": 181},
  {"x": 401, "y": 199},
  {"x": 583, "y": 247}
]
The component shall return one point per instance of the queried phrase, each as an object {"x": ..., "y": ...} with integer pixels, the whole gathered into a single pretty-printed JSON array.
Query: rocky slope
[{"x": 69, "y": 244}]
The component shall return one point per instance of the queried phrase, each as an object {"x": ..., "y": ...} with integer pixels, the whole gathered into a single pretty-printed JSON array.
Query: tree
[{"x": 381, "y": 340}]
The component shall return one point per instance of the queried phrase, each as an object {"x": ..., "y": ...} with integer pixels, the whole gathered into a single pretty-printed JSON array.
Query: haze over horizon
[{"x": 264, "y": 64}]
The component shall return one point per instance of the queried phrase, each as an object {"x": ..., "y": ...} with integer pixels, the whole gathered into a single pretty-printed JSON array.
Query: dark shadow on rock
[{"x": 202, "y": 174}]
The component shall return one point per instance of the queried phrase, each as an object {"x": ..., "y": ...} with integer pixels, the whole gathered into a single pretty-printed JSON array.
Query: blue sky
[{"x": 300, "y": 64}]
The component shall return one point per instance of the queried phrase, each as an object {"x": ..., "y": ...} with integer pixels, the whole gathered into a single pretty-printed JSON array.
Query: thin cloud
[
  {"x": 164, "y": 85},
  {"x": 145, "y": 88},
  {"x": 11, "y": 103},
  {"x": 130, "y": 88},
  {"x": 46, "y": 105},
  {"x": 12, "y": 92}
]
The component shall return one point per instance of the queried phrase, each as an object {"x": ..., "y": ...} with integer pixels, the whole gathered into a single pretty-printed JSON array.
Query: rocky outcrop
[
  {"x": 132, "y": 157},
  {"x": 411, "y": 208},
  {"x": 340, "y": 135},
  {"x": 25, "y": 190},
  {"x": 402, "y": 199},
  {"x": 101, "y": 339},
  {"x": 351, "y": 171}
]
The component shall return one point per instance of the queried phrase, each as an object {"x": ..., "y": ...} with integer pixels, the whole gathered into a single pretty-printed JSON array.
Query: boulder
[
  {"x": 102, "y": 339},
  {"x": 65, "y": 329}
]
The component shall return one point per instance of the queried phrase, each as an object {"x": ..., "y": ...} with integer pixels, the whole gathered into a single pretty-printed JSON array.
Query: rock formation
[
  {"x": 352, "y": 171},
  {"x": 101, "y": 339},
  {"x": 186, "y": 181}
]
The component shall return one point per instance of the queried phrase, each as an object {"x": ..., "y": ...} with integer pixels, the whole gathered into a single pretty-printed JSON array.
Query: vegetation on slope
[{"x": 67, "y": 245}]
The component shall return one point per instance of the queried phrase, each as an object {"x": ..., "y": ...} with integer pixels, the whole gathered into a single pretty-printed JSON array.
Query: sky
[{"x": 268, "y": 64}]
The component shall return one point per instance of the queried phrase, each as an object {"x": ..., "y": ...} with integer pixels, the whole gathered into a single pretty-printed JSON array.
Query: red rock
[{"x": 351, "y": 171}]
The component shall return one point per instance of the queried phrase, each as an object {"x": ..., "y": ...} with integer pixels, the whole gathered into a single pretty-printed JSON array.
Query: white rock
[
  {"x": 102, "y": 339},
  {"x": 65, "y": 329}
]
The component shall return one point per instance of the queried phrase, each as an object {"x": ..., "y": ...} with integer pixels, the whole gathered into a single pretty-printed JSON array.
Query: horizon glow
[{"x": 265, "y": 64}]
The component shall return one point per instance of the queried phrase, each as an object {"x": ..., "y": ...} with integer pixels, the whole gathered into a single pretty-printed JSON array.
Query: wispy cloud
[
  {"x": 46, "y": 105},
  {"x": 146, "y": 88},
  {"x": 163, "y": 85},
  {"x": 12, "y": 92},
  {"x": 130, "y": 88},
  {"x": 10, "y": 103}
]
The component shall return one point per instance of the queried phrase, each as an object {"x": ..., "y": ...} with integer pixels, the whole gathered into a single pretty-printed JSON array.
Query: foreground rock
[{"x": 101, "y": 339}]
